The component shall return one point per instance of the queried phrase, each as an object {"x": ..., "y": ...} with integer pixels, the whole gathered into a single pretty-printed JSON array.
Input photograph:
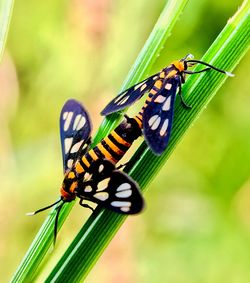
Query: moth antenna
[
  {"x": 42, "y": 209},
  {"x": 211, "y": 66}
]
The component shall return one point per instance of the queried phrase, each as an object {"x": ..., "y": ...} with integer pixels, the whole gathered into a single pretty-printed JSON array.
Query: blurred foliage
[{"x": 196, "y": 227}]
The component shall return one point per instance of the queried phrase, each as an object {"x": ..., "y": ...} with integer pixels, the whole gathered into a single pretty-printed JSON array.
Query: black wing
[
  {"x": 130, "y": 95},
  {"x": 113, "y": 189},
  {"x": 75, "y": 129},
  {"x": 158, "y": 116}
]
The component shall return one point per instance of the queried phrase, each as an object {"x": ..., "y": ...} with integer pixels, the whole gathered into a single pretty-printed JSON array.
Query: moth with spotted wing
[
  {"x": 75, "y": 130},
  {"x": 113, "y": 189},
  {"x": 100, "y": 182},
  {"x": 157, "y": 113}
]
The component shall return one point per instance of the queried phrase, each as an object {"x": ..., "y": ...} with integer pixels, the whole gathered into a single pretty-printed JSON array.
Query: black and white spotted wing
[
  {"x": 158, "y": 116},
  {"x": 75, "y": 129},
  {"x": 113, "y": 189},
  {"x": 130, "y": 95}
]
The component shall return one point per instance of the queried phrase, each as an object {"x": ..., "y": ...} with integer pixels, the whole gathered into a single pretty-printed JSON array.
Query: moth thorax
[
  {"x": 130, "y": 129},
  {"x": 179, "y": 65},
  {"x": 66, "y": 195}
]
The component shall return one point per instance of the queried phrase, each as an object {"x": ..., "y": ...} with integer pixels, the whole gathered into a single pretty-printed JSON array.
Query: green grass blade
[
  {"x": 29, "y": 266},
  {"x": 6, "y": 7},
  {"x": 227, "y": 50}
]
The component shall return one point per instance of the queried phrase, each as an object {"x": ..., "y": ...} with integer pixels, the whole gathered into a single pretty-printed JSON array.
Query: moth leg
[
  {"x": 184, "y": 104},
  {"x": 85, "y": 204}
]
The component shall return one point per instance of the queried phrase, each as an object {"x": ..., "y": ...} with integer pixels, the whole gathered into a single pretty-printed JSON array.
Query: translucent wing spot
[
  {"x": 124, "y": 186},
  {"x": 101, "y": 167},
  {"x": 101, "y": 196},
  {"x": 65, "y": 114},
  {"x": 125, "y": 209},
  {"x": 123, "y": 100},
  {"x": 68, "y": 121},
  {"x": 154, "y": 122},
  {"x": 124, "y": 191},
  {"x": 103, "y": 184},
  {"x": 124, "y": 194},
  {"x": 168, "y": 86},
  {"x": 120, "y": 97},
  {"x": 79, "y": 122},
  {"x": 143, "y": 87},
  {"x": 67, "y": 144},
  {"x": 155, "y": 77},
  {"x": 166, "y": 105},
  {"x": 76, "y": 147},
  {"x": 87, "y": 176},
  {"x": 164, "y": 128},
  {"x": 88, "y": 189},
  {"x": 160, "y": 99},
  {"x": 124, "y": 204},
  {"x": 70, "y": 163},
  {"x": 139, "y": 85}
]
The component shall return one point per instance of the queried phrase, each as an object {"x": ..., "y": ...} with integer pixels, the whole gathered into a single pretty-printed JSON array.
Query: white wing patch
[
  {"x": 124, "y": 186},
  {"x": 160, "y": 99},
  {"x": 143, "y": 87},
  {"x": 67, "y": 144},
  {"x": 166, "y": 105},
  {"x": 102, "y": 185},
  {"x": 139, "y": 85},
  {"x": 122, "y": 204},
  {"x": 101, "y": 167},
  {"x": 154, "y": 122},
  {"x": 123, "y": 100},
  {"x": 76, "y": 147},
  {"x": 87, "y": 176},
  {"x": 67, "y": 116},
  {"x": 124, "y": 191},
  {"x": 124, "y": 194},
  {"x": 120, "y": 97},
  {"x": 164, "y": 128},
  {"x": 88, "y": 189},
  {"x": 168, "y": 86},
  {"x": 101, "y": 196},
  {"x": 70, "y": 163},
  {"x": 79, "y": 122}
]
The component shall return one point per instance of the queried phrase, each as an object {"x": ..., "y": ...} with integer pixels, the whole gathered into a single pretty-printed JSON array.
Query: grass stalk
[
  {"x": 29, "y": 267},
  {"x": 225, "y": 53},
  {"x": 6, "y": 7}
]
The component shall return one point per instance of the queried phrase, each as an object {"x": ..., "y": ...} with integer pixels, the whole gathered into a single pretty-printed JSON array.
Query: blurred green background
[{"x": 196, "y": 227}]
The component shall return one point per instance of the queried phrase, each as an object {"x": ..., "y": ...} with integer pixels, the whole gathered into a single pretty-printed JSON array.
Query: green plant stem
[
  {"x": 29, "y": 267},
  {"x": 6, "y": 7},
  {"x": 226, "y": 51}
]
